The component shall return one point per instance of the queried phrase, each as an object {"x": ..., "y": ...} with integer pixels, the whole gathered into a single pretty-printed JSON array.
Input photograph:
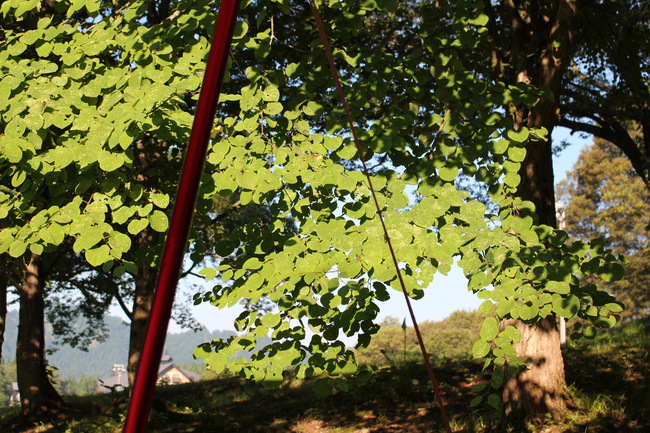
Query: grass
[{"x": 609, "y": 383}]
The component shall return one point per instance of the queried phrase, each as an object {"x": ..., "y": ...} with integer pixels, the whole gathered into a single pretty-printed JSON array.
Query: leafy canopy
[{"x": 82, "y": 102}]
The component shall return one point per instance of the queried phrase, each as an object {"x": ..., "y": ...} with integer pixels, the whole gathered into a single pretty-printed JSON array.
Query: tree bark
[
  {"x": 547, "y": 31},
  {"x": 38, "y": 397},
  {"x": 540, "y": 388}
]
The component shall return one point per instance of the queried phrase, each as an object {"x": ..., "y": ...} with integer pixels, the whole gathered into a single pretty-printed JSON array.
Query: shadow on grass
[{"x": 609, "y": 382}]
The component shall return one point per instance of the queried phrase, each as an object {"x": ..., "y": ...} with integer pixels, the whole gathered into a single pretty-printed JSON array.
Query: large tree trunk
[
  {"x": 547, "y": 31},
  {"x": 540, "y": 388},
  {"x": 37, "y": 394}
]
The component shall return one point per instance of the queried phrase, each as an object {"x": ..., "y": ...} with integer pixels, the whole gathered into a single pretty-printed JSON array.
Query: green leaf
[
  {"x": 590, "y": 332},
  {"x": 11, "y": 151},
  {"x": 486, "y": 308},
  {"x": 519, "y": 136},
  {"x": 349, "y": 151},
  {"x": 121, "y": 215},
  {"x": 480, "y": 349},
  {"x": 252, "y": 263},
  {"x": 560, "y": 287},
  {"x": 611, "y": 272},
  {"x": 497, "y": 378},
  {"x": 273, "y": 108},
  {"x": 36, "y": 248},
  {"x": 17, "y": 248},
  {"x": 160, "y": 200},
  {"x": 120, "y": 242},
  {"x": 208, "y": 273},
  {"x": 479, "y": 387},
  {"x": 136, "y": 226},
  {"x": 516, "y": 154},
  {"x": 448, "y": 173},
  {"x": 99, "y": 255},
  {"x": 158, "y": 221},
  {"x": 271, "y": 320},
  {"x": 18, "y": 178},
  {"x": 494, "y": 400},
  {"x": 476, "y": 401},
  {"x": 271, "y": 94},
  {"x": 615, "y": 307},
  {"x": 512, "y": 180},
  {"x": 489, "y": 329},
  {"x": 88, "y": 238},
  {"x": 480, "y": 20},
  {"x": 566, "y": 307},
  {"x": 313, "y": 109},
  {"x": 500, "y": 146},
  {"x": 241, "y": 29},
  {"x": 605, "y": 322},
  {"x": 109, "y": 161}
]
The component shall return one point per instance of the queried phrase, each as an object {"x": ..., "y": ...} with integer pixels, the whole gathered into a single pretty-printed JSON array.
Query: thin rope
[{"x": 339, "y": 88}]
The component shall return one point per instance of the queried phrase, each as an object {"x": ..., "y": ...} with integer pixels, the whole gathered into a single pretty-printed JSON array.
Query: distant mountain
[{"x": 100, "y": 357}]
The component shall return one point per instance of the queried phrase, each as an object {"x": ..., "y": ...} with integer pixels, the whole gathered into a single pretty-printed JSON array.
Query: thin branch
[
  {"x": 122, "y": 304},
  {"x": 221, "y": 216}
]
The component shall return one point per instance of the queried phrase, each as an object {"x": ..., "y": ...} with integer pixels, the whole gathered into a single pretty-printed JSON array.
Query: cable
[{"x": 339, "y": 88}]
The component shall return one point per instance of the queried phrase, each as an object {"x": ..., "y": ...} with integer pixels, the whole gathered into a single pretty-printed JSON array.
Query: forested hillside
[{"x": 100, "y": 357}]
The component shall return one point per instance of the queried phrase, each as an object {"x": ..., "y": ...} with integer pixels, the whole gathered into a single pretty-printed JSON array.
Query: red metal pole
[{"x": 188, "y": 186}]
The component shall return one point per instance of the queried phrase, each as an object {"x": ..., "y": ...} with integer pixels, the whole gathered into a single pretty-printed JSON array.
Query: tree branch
[
  {"x": 221, "y": 216},
  {"x": 122, "y": 304},
  {"x": 617, "y": 134}
]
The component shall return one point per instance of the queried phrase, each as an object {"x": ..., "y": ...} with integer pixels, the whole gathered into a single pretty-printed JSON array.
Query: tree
[
  {"x": 39, "y": 398},
  {"x": 570, "y": 50},
  {"x": 451, "y": 338},
  {"x": 606, "y": 198},
  {"x": 91, "y": 139},
  {"x": 426, "y": 101},
  {"x": 533, "y": 45},
  {"x": 88, "y": 173}
]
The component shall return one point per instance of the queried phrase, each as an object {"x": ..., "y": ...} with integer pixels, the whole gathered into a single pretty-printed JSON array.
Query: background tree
[
  {"x": 450, "y": 338},
  {"x": 91, "y": 165},
  {"x": 605, "y": 197}
]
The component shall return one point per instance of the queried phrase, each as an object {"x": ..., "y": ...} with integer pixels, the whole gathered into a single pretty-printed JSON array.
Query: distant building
[
  {"x": 14, "y": 398},
  {"x": 168, "y": 374}
]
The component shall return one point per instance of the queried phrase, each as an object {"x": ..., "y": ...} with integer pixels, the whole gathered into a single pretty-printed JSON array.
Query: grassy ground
[{"x": 609, "y": 382}]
